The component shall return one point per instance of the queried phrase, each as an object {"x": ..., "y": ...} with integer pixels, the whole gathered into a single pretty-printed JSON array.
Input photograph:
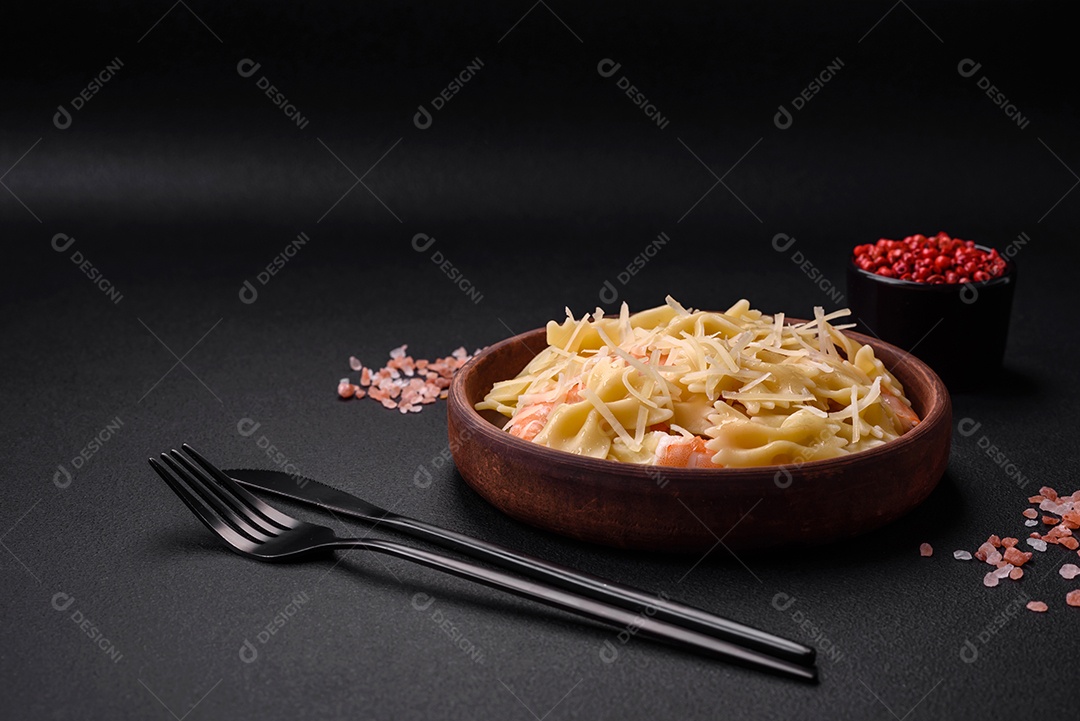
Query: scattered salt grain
[
  {"x": 990, "y": 580},
  {"x": 1004, "y": 571},
  {"x": 1016, "y": 557},
  {"x": 405, "y": 384},
  {"x": 1031, "y": 522},
  {"x": 1016, "y": 574},
  {"x": 926, "y": 550},
  {"x": 1037, "y": 543},
  {"x": 1069, "y": 571},
  {"x": 1073, "y": 597},
  {"x": 961, "y": 555},
  {"x": 1037, "y": 606},
  {"x": 1054, "y": 507},
  {"x": 1030, "y": 513}
]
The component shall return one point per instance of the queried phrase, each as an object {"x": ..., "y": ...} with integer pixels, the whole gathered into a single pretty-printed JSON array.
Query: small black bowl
[{"x": 959, "y": 330}]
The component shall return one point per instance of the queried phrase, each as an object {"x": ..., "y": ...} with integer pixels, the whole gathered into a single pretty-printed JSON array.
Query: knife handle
[
  {"x": 639, "y": 623},
  {"x": 609, "y": 592}
]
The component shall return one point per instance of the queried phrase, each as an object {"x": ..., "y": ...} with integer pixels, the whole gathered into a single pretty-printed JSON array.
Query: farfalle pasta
[{"x": 672, "y": 386}]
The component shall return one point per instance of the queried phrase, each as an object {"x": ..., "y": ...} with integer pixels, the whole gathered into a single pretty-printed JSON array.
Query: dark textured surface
[{"x": 540, "y": 182}]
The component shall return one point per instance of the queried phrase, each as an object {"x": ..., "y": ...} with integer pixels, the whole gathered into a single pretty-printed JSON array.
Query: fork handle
[
  {"x": 607, "y": 591},
  {"x": 640, "y": 623}
]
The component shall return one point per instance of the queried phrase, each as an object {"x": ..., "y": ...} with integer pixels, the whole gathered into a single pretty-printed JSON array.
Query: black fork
[{"x": 257, "y": 530}]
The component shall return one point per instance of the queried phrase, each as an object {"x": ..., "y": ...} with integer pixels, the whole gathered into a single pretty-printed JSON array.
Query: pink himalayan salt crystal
[
  {"x": 926, "y": 550},
  {"x": 1016, "y": 574},
  {"x": 1073, "y": 597},
  {"x": 1004, "y": 570},
  {"x": 961, "y": 555},
  {"x": 990, "y": 580},
  {"x": 1069, "y": 571},
  {"x": 1017, "y": 557},
  {"x": 405, "y": 383},
  {"x": 1030, "y": 513},
  {"x": 345, "y": 388},
  {"x": 1037, "y": 606}
]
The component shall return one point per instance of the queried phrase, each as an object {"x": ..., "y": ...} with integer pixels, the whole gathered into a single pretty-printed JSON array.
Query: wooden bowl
[{"x": 634, "y": 506}]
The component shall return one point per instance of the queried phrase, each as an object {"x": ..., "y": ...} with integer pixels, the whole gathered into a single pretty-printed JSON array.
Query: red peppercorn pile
[{"x": 935, "y": 260}]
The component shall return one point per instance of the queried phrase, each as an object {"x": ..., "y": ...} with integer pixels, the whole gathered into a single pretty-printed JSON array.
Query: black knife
[{"x": 318, "y": 494}]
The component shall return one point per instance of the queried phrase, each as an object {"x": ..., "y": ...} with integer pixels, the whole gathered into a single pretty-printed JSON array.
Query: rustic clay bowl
[{"x": 678, "y": 509}]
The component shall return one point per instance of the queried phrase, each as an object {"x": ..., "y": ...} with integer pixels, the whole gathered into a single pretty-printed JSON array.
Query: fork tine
[
  {"x": 210, "y": 519},
  {"x": 268, "y": 513},
  {"x": 221, "y": 509},
  {"x": 235, "y": 504}
]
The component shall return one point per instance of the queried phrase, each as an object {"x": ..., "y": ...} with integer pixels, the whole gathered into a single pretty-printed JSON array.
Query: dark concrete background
[{"x": 539, "y": 181}]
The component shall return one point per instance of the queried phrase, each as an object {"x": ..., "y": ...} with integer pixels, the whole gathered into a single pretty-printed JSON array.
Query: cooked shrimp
[
  {"x": 530, "y": 420},
  {"x": 684, "y": 452},
  {"x": 903, "y": 411}
]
